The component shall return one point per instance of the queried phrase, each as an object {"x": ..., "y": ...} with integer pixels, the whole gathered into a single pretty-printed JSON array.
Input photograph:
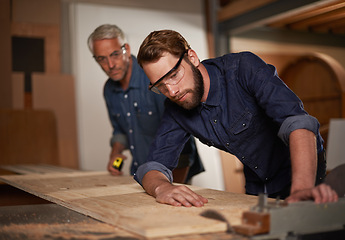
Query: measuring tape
[{"x": 117, "y": 164}]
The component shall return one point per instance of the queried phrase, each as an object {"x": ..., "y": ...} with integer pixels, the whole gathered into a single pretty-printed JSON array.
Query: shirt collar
[{"x": 215, "y": 93}]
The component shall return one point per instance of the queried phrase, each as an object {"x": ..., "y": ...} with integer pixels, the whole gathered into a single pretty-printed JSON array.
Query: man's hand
[
  {"x": 320, "y": 194},
  {"x": 116, "y": 152},
  {"x": 157, "y": 185},
  {"x": 178, "y": 195},
  {"x": 110, "y": 167}
]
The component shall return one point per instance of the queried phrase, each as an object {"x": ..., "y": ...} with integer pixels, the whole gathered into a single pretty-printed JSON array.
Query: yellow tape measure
[{"x": 117, "y": 164}]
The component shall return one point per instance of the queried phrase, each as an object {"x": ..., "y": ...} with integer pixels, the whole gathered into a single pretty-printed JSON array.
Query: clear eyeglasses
[
  {"x": 116, "y": 55},
  {"x": 172, "y": 77}
]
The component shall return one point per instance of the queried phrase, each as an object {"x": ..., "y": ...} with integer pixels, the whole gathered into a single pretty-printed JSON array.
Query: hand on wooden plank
[
  {"x": 157, "y": 184},
  {"x": 320, "y": 194}
]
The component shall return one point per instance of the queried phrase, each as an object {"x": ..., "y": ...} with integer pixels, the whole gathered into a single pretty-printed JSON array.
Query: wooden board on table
[
  {"x": 122, "y": 202},
  {"x": 36, "y": 168}
]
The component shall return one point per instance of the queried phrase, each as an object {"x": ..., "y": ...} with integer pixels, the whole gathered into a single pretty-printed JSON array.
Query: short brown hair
[{"x": 159, "y": 42}]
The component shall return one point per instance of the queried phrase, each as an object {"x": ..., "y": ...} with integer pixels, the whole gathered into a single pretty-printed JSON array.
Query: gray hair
[{"x": 106, "y": 31}]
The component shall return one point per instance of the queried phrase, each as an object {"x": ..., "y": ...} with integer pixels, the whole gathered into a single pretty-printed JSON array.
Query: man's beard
[
  {"x": 198, "y": 91},
  {"x": 124, "y": 71}
]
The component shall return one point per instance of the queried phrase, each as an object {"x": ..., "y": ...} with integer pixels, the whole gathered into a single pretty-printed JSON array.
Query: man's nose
[
  {"x": 172, "y": 89},
  {"x": 111, "y": 62}
]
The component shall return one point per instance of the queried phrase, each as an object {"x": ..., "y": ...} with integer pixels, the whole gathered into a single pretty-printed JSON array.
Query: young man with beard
[
  {"x": 238, "y": 104},
  {"x": 134, "y": 112}
]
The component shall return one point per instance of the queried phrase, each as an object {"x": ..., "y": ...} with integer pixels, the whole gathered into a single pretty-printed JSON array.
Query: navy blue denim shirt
[
  {"x": 249, "y": 112},
  {"x": 134, "y": 113}
]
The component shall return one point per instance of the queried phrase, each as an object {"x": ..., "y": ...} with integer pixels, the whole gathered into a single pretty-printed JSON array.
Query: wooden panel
[
  {"x": 234, "y": 180},
  {"x": 36, "y": 11},
  {"x": 18, "y": 90},
  {"x": 50, "y": 34},
  {"x": 28, "y": 136},
  {"x": 320, "y": 83},
  {"x": 57, "y": 93},
  {"x": 6, "y": 56},
  {"x": 120, "y": 201}
]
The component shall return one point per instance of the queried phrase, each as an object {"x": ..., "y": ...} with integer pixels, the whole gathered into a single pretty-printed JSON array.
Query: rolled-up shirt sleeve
[
  {"x": 149, "y": 166},
  {"x": 121, "y": 138},
  {"x": 297, "y": 122}
]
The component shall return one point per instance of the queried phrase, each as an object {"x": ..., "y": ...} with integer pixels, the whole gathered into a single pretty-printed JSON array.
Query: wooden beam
[
  {"x": 267, "y": 14},
  {"x": 308, "y": 14},
  {"x": 330, "y": 16},
  {"x": 297, "y": 37},
  {"x": 238, "y": 7}
]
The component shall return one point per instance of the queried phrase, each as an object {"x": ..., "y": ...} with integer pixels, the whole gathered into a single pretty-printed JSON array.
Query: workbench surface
[
  {"x": 54, "y": 222},
  {"x": 108, "y": 207}
]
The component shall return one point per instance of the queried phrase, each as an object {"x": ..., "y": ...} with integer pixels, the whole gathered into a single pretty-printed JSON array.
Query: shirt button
[
  {"x": 132, "y": 147},
  {"x": 125, "y": 96},
  {"x": 227, "y": 144},
  {"x": 243, "y": 157},
  {"x": 266, "y": 179},
  {"x": 135, "y": 164},
  {"x": 128, "y": 114},
  {"x": 130, "y": 131},
  {"x": 215, "y": 120},
  {"x": 243, "y": 124},
  {"x": 150, "y": 112},
  {"x": 135, "y": 104},
  {"x": 256, "y": 167}
]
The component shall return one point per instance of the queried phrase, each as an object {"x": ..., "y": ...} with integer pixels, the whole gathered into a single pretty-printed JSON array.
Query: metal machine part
[{"x": 278, "y": 220}]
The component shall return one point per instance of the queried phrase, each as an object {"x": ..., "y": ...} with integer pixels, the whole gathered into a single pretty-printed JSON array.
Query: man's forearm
[
  {"x": 117, "y": 148},
  {"x": 303, "y": 159},
  {"x": 153, "y": 180}
]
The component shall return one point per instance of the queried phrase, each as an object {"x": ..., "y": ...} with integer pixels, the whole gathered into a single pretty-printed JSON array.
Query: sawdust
[{"x": 87, "y": 231}]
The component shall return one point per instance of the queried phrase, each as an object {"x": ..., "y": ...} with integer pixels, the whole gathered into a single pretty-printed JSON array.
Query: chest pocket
[
  {"x": 148, "y": 120},
  {"x": 242, "y": 124}
]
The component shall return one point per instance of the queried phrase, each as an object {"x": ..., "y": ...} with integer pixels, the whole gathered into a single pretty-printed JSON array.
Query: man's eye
[
  {"x": 115, "y": 54},
  {"x": 174, "y": 75},
  {"x": 160, "y": 85},
  {"x": 100, "y": 59}
]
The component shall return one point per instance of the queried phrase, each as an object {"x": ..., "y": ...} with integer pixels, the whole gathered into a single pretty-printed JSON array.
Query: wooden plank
[
  {"x": 51, "y": 221},
  {"x": 121, "y": 202},
  {"x": 37, "y": 168}
]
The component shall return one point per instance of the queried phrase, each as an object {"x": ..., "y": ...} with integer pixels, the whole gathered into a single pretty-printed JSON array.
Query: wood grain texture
[
  {"x": 56, "y": 92},
  {"x": 28, "y": 137},
  {"x": 121, "y": 202}
]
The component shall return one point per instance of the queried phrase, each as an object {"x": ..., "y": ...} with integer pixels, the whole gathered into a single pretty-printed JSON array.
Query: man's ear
[
  {"x": 128, "y": 49},
  {"x": 193, "y": 57}
]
